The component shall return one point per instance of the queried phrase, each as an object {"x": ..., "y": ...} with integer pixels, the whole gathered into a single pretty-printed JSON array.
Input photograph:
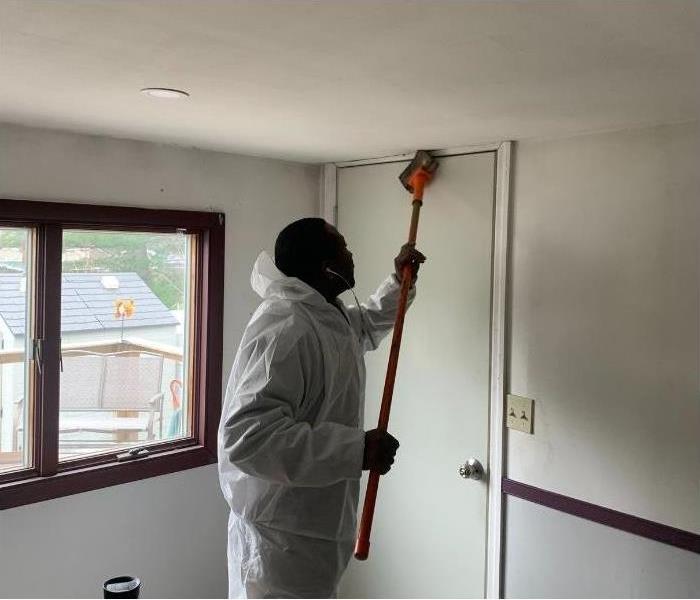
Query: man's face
[{"x": 342, "y": 263}]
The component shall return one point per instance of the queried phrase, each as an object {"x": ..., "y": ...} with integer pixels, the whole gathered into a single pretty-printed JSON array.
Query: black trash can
[{"x": 124, "y": 586}]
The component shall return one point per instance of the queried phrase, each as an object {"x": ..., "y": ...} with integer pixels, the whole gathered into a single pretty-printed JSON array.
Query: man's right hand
[{"x": 380, "y": 449}]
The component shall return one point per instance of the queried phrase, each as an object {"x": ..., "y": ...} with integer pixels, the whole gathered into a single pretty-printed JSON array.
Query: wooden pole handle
[{"x": 362, "y": 544}]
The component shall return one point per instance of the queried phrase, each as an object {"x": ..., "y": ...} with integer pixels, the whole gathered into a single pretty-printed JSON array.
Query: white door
[{"x": 429, "y": 533}]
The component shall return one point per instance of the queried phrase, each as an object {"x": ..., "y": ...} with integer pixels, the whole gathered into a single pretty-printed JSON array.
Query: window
[
  {"x": 110, "y": 345},
  {"x": 125, "y": 336},
  {"x": 16, "y": 266}
]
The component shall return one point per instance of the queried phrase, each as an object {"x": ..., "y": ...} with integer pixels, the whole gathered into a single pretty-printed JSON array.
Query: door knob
[{"x": 472, "y": 469}]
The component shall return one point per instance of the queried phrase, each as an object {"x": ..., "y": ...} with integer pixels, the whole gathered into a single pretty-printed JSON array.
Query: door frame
[{"x": 328, "y": 209}]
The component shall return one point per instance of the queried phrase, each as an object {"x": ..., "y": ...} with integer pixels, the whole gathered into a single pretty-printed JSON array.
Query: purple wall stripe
[{"x": 605, "y": 516}]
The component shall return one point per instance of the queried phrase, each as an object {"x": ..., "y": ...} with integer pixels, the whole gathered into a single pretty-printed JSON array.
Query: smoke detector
[{"x": 164, "y": 93}]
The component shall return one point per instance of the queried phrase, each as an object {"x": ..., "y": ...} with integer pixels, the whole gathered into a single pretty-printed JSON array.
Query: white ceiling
[{"x": 333, "y": 80}]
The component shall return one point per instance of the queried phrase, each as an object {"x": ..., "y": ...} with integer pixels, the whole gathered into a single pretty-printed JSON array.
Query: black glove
[
  {"x": 380, "y": 449},
  {"x": 408, "y": 255}
]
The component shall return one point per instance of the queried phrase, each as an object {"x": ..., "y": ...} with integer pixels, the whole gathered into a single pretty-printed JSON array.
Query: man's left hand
[{"x": 408, "y": 255}]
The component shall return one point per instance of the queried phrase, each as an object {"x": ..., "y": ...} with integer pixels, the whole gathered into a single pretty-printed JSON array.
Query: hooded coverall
[{"x": 291, "y": 437}]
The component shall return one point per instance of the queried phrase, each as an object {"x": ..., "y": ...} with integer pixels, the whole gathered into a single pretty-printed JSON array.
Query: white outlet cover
[{"x": 519, "y": 413}]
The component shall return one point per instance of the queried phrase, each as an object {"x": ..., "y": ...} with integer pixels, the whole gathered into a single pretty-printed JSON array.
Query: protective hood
[{"x": 269, "y": 282}]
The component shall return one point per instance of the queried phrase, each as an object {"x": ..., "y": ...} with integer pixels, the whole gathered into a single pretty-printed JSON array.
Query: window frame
[{"x": 46, "y": 478}]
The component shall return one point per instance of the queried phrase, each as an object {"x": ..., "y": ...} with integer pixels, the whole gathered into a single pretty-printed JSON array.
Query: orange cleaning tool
[{"x": 414, "y": 178}]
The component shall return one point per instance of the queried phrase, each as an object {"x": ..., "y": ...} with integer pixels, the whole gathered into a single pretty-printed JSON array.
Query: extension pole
[{"x": 362, "y": 544}]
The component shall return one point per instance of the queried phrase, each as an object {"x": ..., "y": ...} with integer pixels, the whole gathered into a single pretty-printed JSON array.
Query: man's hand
[
  {"x": 408, "y": 255},
  {"x": 380, "y": 449}
]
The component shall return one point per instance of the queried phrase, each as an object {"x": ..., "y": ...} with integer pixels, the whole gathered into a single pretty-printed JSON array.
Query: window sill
[{"x": 75, "y": 481}]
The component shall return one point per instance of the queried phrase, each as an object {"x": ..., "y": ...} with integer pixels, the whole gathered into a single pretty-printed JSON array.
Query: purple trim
[
  {"x": 69, "y": 214},
  {"x": 605, "y": 516},
  {"x": 45, "y": 431},
  {"x": 39, "y": 489}
]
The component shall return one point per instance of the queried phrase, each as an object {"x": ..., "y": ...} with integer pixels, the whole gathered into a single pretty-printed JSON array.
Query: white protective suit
[{"x": 291, "y": 438}]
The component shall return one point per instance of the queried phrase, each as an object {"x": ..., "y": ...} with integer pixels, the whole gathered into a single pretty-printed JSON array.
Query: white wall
[
  {"x": 604, "y": 335},
  {"x": 170, "y": 530},
  {"x": 550, "y": 554}
]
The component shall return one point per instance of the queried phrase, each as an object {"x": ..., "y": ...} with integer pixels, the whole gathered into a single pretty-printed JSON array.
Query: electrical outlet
[{"x": 519, "y": 413}]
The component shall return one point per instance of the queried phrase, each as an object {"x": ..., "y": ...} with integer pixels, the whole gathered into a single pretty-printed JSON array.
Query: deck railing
[
  {"x": 103, "y": 347},
  {"x": 131, "y": 344}
]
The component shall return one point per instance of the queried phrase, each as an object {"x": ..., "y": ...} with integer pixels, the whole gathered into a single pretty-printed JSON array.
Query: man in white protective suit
[{"x": 291, "y": 441}]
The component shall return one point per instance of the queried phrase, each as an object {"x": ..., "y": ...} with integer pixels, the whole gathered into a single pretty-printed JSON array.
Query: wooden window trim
[{"x": 48, "y": 479}]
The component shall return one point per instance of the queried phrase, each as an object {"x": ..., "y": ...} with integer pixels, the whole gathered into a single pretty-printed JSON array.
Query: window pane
[
  {"x": 125, "y": 306},
  {"x": 15, "y": 342}
]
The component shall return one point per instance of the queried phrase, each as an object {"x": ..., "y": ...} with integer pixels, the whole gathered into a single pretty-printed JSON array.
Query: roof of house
[{"x": 87, "y": 304}]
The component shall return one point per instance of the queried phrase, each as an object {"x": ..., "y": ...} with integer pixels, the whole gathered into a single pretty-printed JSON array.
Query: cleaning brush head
[{"x": 423, "y": 164}]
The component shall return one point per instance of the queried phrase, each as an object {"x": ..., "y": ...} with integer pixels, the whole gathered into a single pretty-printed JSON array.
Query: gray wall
[
  {"x": 554, "y": 555},
  {"x": 170, "y": 530},
  {"x": 604, "y": 335}
]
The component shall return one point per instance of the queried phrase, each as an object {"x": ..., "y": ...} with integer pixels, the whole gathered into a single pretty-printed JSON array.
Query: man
[{"x": 291, "y": 444}]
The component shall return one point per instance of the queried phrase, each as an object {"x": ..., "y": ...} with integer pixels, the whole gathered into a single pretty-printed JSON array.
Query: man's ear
[{"x": 326, "y": 268}]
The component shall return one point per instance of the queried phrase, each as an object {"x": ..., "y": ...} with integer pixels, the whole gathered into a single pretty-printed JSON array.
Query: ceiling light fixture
[{"x": 170, "y": 94}]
